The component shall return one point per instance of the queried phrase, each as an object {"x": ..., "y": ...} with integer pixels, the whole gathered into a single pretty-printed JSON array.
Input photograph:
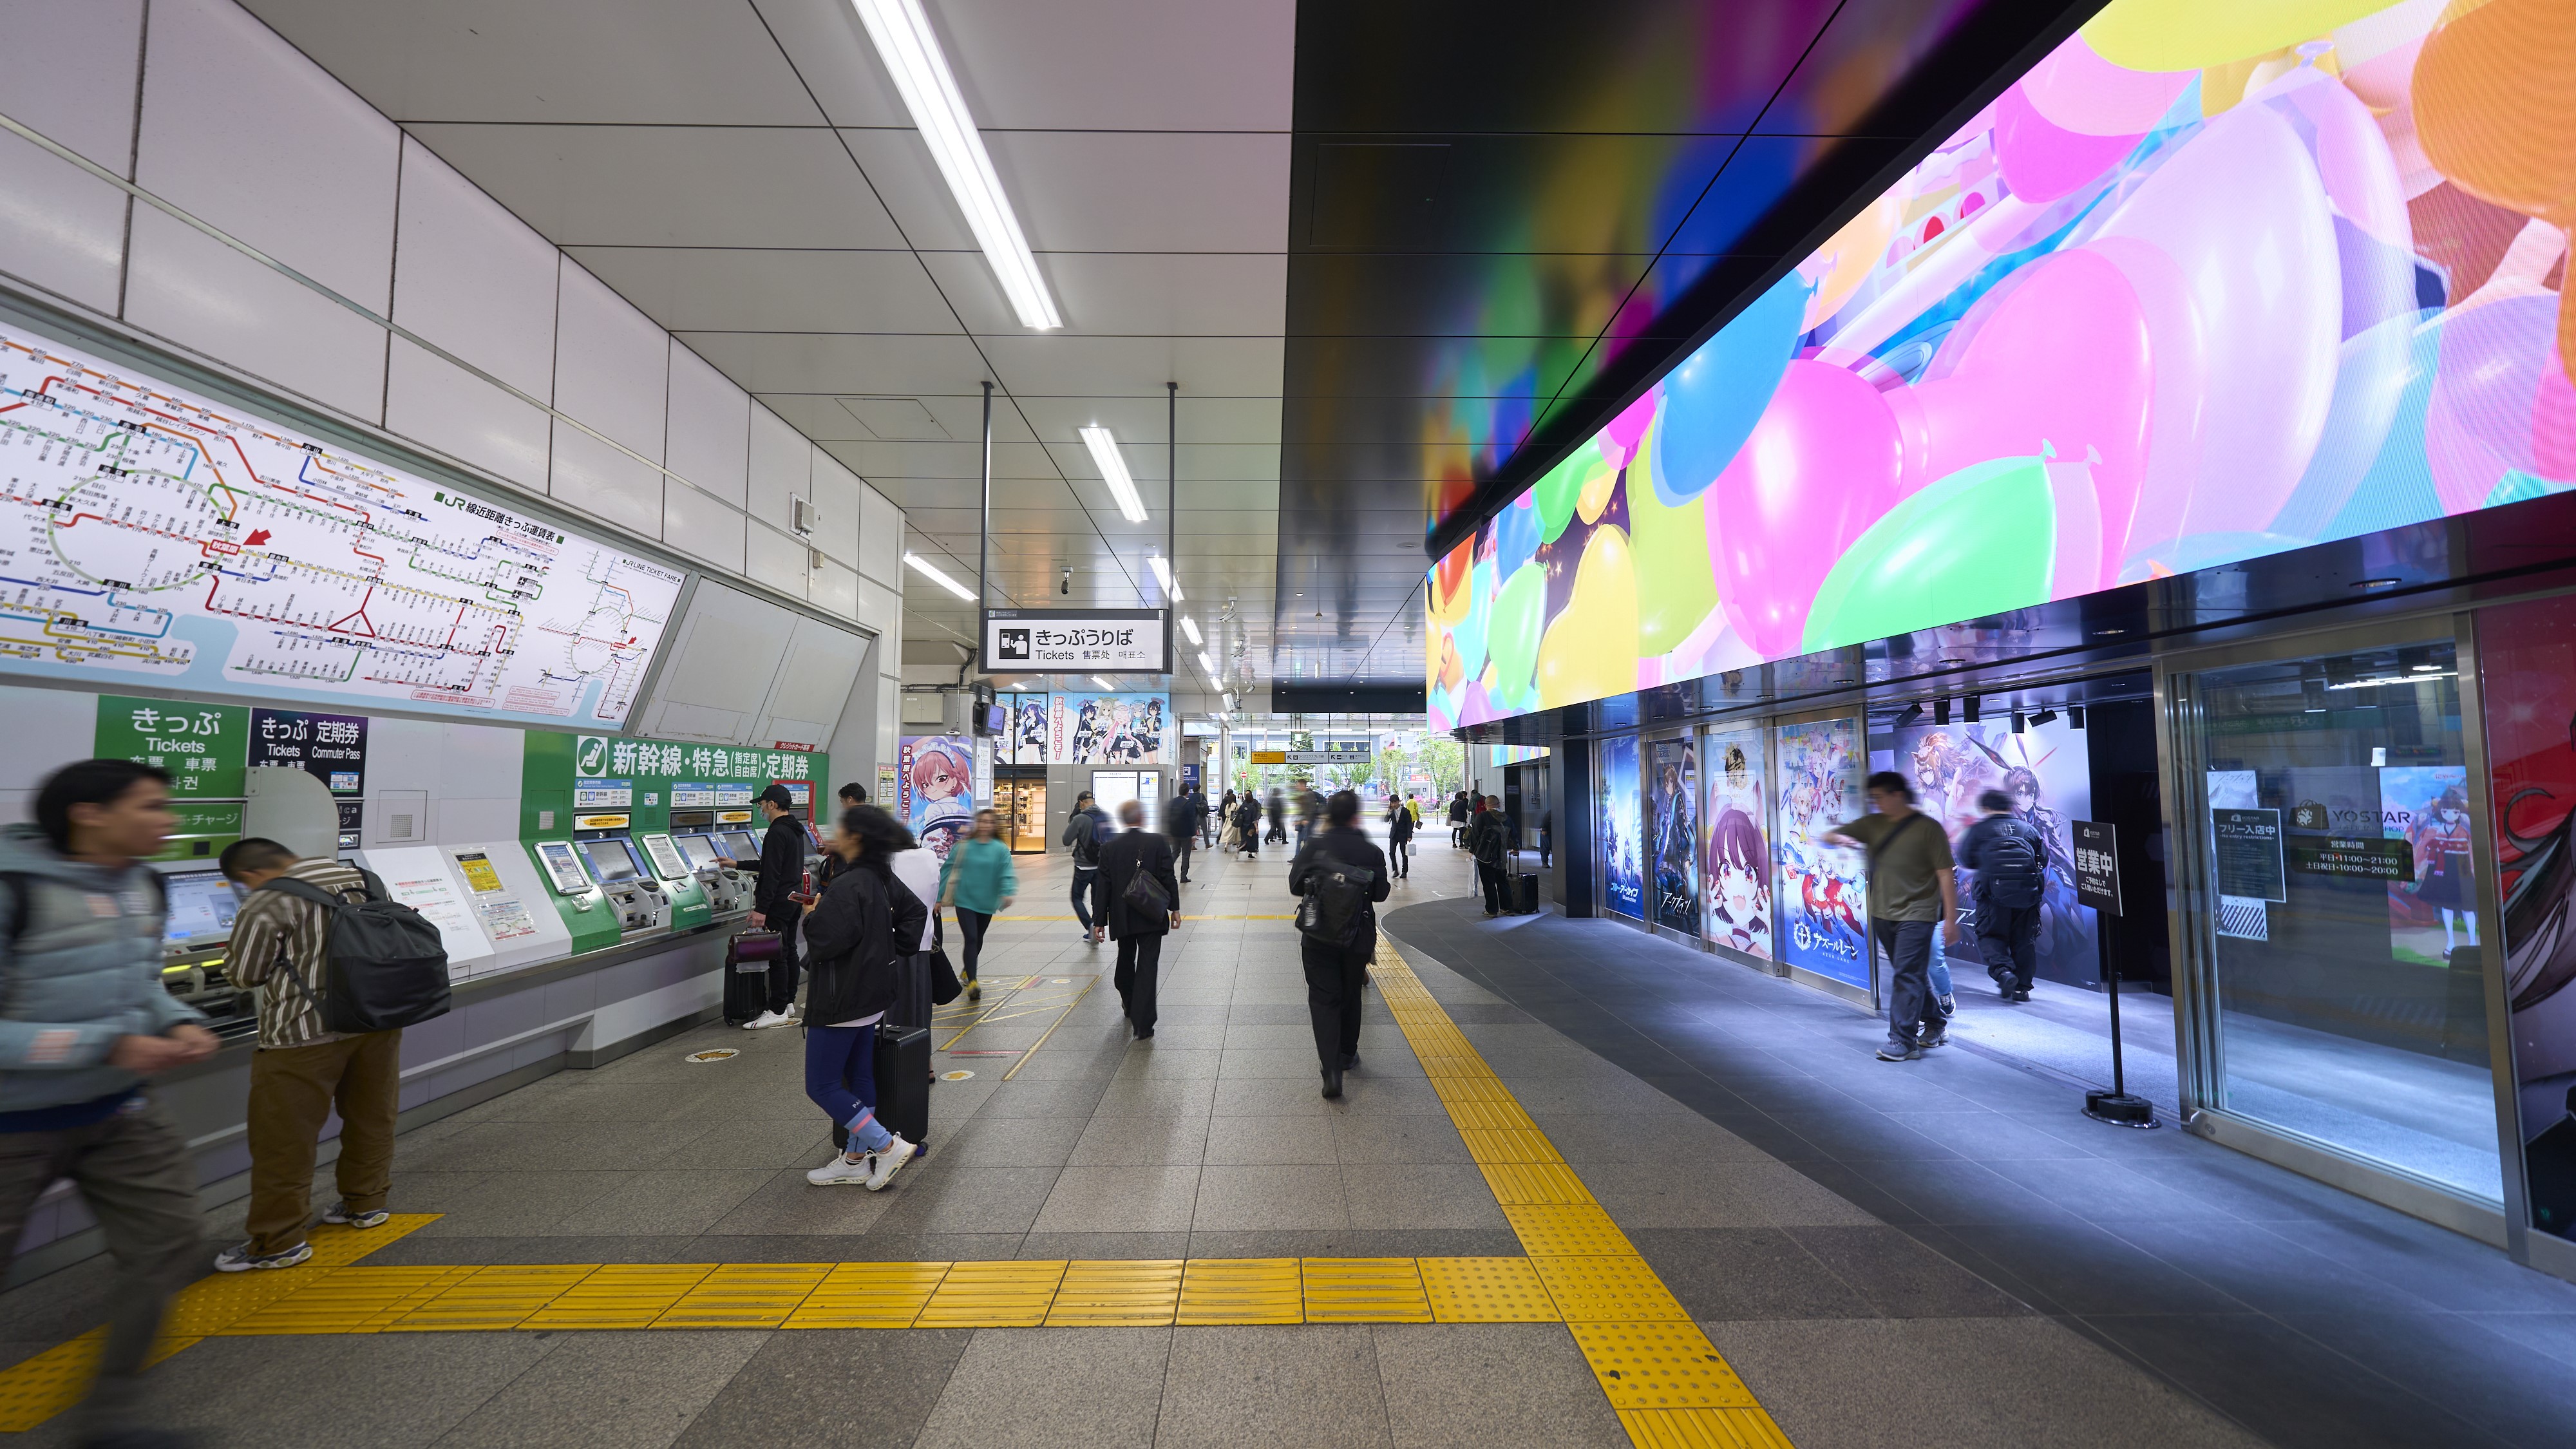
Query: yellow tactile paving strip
[{"x": 1666, "y": 1382}]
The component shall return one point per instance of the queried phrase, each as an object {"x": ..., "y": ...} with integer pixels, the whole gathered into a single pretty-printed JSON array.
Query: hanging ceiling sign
[{"x": 1077, "y": 641}]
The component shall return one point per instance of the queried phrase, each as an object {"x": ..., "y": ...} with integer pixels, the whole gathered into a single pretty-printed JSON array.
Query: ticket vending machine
[
  {"x": 423, "y": 878},
  {"x": 195, "y": 941},
  {"x": 690, "y": 904},
  {"x": 635, "y": 895},
  {"x": 579, "y": 902},
  {"x": 696, "y": 835}
]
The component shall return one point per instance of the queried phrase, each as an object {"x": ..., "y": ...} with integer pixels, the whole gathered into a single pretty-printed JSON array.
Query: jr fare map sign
[{"x": 147, "y": 534}]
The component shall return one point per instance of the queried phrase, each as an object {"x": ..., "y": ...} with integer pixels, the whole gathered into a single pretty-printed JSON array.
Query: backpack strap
[{"x": 1889, "y": 838}]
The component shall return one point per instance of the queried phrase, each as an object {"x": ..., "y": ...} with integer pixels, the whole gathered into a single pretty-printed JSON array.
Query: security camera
[{"x": 1066, "y": 586}]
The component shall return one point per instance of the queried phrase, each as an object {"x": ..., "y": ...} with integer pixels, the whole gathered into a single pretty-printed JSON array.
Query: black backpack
[
  {"x": 388, "y": 966},
  {"x": 1336, "y": 904},
  {"x": 2009, "y": 869}
]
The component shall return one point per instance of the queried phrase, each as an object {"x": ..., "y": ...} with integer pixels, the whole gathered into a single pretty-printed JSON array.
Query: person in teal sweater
[{"x": 979, "y": 882}]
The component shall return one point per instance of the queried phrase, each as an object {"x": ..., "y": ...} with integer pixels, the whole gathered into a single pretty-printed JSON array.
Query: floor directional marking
[
  {"x": 1241, "y": 1290},
  {"x": 1365, "y": 1290}
]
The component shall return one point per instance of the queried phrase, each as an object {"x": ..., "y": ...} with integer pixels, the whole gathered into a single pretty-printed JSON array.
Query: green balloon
[
  {"x": 1980, "y": 541},
  {"x": 1512, "y": 638},
  {"x": 1560, "y": 487},
  {"x": 1676, "y": 578}
]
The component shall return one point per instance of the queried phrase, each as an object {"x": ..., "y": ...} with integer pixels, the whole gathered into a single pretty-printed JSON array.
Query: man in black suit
[
  {"x": 1337, "y": 970},
  {"x": 1139, "y": 932}
]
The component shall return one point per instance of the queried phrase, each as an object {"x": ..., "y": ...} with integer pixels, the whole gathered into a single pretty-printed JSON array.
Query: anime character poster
[
  {"x": 1735, "y": 871},
  {"x": 2049, "y": 777},
  {"x": 1823, "y": 905},
  {"x": 2434, "y": 911},
  {"x": 1620, "y": 829},
  {"x": 1107, "y": 729},
  {"x": 1672, "y": 802},
  {"x": 1029, "y": 729},
  {"x": 935, "y": 788},
  {"x": 2527, "y": 667}
]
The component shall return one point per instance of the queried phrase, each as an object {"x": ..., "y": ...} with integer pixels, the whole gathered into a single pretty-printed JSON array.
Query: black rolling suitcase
[
  {"x": 903, "y": 1081},
  {"x": 746, "y": 974},
  {"x": 1523, "y": 895}
]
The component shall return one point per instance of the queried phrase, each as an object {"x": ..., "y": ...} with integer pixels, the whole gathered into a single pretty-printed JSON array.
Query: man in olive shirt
[{"x": 1912, "y": 888}]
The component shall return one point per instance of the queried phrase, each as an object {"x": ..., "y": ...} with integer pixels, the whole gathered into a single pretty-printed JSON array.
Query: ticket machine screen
[
  {"x": 702, "y": 851},
  {"x": 611, "y": 860},
  {"x": 202, "y": 906},
  {"x": 742, "y": 846}
]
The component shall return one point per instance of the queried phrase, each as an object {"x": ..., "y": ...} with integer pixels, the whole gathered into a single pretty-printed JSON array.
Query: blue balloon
[
  {"x": 1712, "y": 400},
  {"x": 1515, "y": 535}
]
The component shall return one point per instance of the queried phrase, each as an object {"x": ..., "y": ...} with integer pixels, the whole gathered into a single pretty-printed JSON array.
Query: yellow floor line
[{"x": 1668, "y": 1384}]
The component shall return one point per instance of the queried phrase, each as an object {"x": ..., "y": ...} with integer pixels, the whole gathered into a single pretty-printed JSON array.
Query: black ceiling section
[{"x": 1507, "y": 219}]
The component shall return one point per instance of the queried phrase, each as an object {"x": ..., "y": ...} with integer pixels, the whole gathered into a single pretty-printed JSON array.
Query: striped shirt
[{"x": 275, "y": 928}]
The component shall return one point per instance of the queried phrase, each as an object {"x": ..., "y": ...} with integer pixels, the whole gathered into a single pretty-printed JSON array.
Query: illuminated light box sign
[
  {"x": 1077, "y": 641},
  {"x": 155, "y": 537},
  {"x": 2159, "y": 308}
]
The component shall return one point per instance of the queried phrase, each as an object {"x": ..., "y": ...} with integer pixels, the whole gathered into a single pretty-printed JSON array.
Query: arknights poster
[
  {"x": 1736, "y": 874},
  {"x": 1621, "y": 829},
  {"x": 2048, "y": 775},
  {"x": 1823, "y": 904},
  {"x": 1674, "y": 774}
]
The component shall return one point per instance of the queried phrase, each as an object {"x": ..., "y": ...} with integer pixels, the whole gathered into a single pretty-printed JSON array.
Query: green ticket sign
[
  {"x": 205, "y": 747},
  {"x": 205, "y": 828}
]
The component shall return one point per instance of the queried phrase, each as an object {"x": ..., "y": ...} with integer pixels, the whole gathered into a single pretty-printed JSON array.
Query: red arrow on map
[{"x": 257, "y": 537}]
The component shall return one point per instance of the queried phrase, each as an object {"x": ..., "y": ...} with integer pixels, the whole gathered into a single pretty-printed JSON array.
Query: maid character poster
[{"x": 1735, "y": 873}]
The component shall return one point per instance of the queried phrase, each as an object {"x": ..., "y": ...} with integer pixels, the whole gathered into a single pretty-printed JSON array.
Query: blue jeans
[{"x": 840, "y": 1078}]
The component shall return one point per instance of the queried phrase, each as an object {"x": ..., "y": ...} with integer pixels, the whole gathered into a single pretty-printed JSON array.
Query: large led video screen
[{"x": 2210, "y": 282}]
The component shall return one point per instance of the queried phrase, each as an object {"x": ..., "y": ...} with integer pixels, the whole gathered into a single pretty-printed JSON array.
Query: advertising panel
[
  {"x": 1621, "y": 830},
  {"x": 1028, "y": 738},
  {"x": 935, "y": 788},
  {"x": 1673, "y": 769},
  {"x": 1823, "y": 909},
  {"x": 2049, "y": 777},
  {"x": 1737, "y": 872},
  {"x": 2174, "y": 300},
  {"x": 332, "y": 748},
  {"x": 1107, "y": 729},
  {"x": 2432, "y": 893}
]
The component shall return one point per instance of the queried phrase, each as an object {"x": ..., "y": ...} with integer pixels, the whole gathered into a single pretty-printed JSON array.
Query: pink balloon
[
  {"x": 2090, "y": 96},
  {"x": 2465, "y": 471},
  {"x": 2058, "y": 362},
  {"x": 2501, "y": 376},
  {"x": 2042, "y": 160},
  {"x": 2230, "y": 246},
  {"x": 1619, "y": 440},
  {"x": 2553, "y": 423},
  {"x": 1823, "y": 464},
  {"x": 2352, "y": 157}
]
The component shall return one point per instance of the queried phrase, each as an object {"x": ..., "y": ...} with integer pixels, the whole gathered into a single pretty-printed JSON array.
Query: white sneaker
[
  {"x": 768, "y": 1019},
  {"x": 840, "y": 1171},
  {"x": 889, "y": 1158}
]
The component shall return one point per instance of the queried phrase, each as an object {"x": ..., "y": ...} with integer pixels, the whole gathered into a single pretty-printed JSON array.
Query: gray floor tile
[
  {"x": 1593, "y": 1137},
  {"x": 1270, "y": 1097},
  {"x": 1105, "y": 1245},
  {"x": 393, "y": 1389},
  {"x": 1007, "y": 1142},
  {"x": 664, "y": 1201},
  {"x": 1386, "y": 1137},
  {"x": 416, "y": 1251},
  {"x": 1043, "y": 1099},
  {"x": 1729, "y": 1273},
  {"x": 1297, "y": 1063},
  {"x": 2287, "y": 1387},
  {"x": 1311, "y": 1385},
  {"x": 787, "y": 1203},
  {"x": 933, "y": 1199},
  {"x": 1239, "y": 1198},
  {"x": 1475, "y": 1386},
  {"x": 1167, "y": 1097},
  {"x": 1272, "y": 1141},
  {"x": 766, "y": 1143},
  {"x": 1168, "y": 1058},
  {"x": 1034, "y": 1386},
  {"x": 1716, "y": 1195},
  {"x": 1122, "y": 1198},
  {"x": 1419, "y": 1195},
  {"x": 608, "y": 1390},
  {"x": 797, "y": 1391},
  {"x": 500, "y": 1204},
  {"x": 1900, "y": 1277},
  {"x": 1156, "y": 1140}
]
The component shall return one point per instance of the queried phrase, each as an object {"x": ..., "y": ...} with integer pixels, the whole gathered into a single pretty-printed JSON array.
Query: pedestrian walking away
[
  {"x": 1208, "y": 818},
  {"x": 2010, "y": 858},
  {"x": 979, "y": 883},
  {"x": 1310, "y": 812},
  {"x": 1338, "y": 877},
  {"x": 1247, "y": 825},
  {"x": 1913, "y": 888},
  {"x": 777, "y": 901},
  {"x": 862, "y": 931},
  {"x": 1487, "y": 843},
  {"x": 1399, "y": 838},
  {"x": 1181, "y": 821},
  {"x": 1278, "y": 816},
  {"x": 1459, "y": 810},
  {"x": 1084, "y": 830},
  {"x": 300, "y": 1072},
  {"x": 84, "y": 1021},
  {"x": 1144, "y": 906}
]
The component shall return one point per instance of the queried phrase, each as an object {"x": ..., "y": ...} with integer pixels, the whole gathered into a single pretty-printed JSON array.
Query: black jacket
[
  {"x": 1120, "y": 860},
  {"x": 1399, "y": 824},
  {"x": 782, "y": 867},
  {"x": 860, "y": 929},
  {"x": 1351, "y": 847},
  {"x": 1184, "y": 814},
  {"x": 1487, "y": 827},
  {"x": 1247, "y": 815},
  {"x": 1082, "y": 836}
]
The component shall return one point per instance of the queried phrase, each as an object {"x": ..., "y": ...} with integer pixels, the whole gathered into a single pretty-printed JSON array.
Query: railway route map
[{"x": 148, "y": 532}]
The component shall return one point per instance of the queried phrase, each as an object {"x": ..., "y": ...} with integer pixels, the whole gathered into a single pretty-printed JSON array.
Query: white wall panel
[
  {"x": 881, "y": 539},
  {"x": 472, "y": 278},
  {"x": 594, "y": 478},
  {"x": 701, "y": 527},
  {"x": 836, "y": 590},
  {"x": 710, "y": 427},
  {"x": 200, "y": 293},
  {"x": 436, "y": 403},
  {"x": 69, "y": 71},
  {"x": 813, "y": 686},
  {"x": 723, "y": 661},
  {"x": 836, "y": 494},
  {"x": 878, "y": 607},
  {"x": 611, "y": 363},
  {"x": 776, "y": 560},
  {"x": 782, "y": 468},
  {"x": 244, "y": 132}
]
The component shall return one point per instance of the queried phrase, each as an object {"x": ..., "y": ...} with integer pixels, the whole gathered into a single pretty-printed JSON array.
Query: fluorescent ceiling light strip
[
  {"x": 1190, "y": 627},
  {"x": 1204, "y": 665},
  {"x": 931, "y": 571},
  {"x": 1113, "y": 469},
  {"x": 1103, "y": 683},
  {"x": 1163, "y": 573},
  {"x": 911, "y": 53}
]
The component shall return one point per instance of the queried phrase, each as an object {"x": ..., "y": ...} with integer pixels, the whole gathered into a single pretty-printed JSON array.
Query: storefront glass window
[
  {"x": 1822, "y": 910},
  {"x": 1736, "y": 861},
  {"x": 2346, "y": 934},
  {"x": 1619, "y": 827},
  {"x": 1673, "y": 823}
]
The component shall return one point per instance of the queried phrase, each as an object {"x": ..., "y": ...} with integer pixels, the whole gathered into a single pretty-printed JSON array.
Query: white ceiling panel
[
  {"x": 1203, "y": 294},
  {"x": 840, "y": 362},
  {"x": 660, "y": 62},
  {"x": 1148, "y": 191},
  {"x": 961, "y": 462},
  {"x": 829, "y": 49},
  {"x": 1202, "y": 419},
  {"x": 720, "y": 289},
  {"x": 826, "y": 418},
  {"x": 1123, "y": 65},
  {"x": 1138, "y": 366},
  {"x": 670, "y": 185}
]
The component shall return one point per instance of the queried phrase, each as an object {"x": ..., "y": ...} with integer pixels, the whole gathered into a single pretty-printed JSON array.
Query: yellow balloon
[
  {"x": 1595, "y": 497},
  {"x": 2197, "y": 34},
  {"x": 1590, "y": 652}
]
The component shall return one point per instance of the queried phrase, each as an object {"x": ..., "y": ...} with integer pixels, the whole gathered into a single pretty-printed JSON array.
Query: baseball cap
[{"x": 777, "y": 795}]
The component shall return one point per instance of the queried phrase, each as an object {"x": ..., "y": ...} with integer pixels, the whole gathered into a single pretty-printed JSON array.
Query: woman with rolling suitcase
[{"x": 861, "y": 932}]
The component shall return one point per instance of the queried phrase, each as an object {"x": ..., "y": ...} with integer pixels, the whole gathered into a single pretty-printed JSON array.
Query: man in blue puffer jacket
[{"x": 83, "y": 1020}]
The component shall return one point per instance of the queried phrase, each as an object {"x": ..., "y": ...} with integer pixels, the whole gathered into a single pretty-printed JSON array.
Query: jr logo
[{"x": 590, "y": 756}]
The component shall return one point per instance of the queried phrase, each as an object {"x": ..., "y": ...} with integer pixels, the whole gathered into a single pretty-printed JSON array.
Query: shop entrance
[{"x": 1020, "y": 794}]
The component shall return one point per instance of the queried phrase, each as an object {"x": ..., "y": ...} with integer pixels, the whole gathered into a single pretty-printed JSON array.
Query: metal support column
[{"x": 984, "y": 538}]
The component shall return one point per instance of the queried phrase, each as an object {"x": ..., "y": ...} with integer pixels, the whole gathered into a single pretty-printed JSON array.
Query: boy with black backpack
[
  {"x": 2010, "y": 857},
  {"x": 1341, "y": 875},
  {"x": 340, "y": 971}
]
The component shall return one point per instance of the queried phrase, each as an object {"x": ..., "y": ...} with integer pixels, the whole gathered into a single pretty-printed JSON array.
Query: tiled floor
[{"x": 1854, "y": 1318}]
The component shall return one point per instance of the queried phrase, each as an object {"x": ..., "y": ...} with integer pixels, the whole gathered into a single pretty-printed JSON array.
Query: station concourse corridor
[{"x": 630, "y": 1256}]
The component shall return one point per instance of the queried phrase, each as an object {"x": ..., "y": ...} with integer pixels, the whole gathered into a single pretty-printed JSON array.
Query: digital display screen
[
  {"x": 563, "y": 867},
  {"x": 702, "y": 851},
  {"x": 202, "y": 907},
  {"x": 611, "y": 860},
  {"x": 742, "y": 846},
  {"x": 665, "y": 857}
]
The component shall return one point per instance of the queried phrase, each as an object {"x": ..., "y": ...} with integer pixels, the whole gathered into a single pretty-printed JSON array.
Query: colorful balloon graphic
[
  {"x": 1591, "y": 651},
  {"x": 2169, "y": 35},
  {"x": 1977, "y": 542},
  {"x": 1822, "y": 464},
  {"x": 1712, "y": 401},
  {"x": 1520, "y": 607},
  {"x": 1676, "y": 587}
]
